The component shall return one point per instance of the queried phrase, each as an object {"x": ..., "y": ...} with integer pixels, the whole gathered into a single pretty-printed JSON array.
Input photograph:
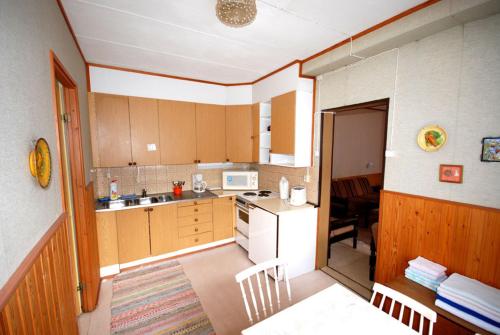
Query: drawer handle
[
  {"x": 196, "y": 240},
  {"x": 196, "y": 209},
  {"x": 196, "y": 203},
  {"x": 195, "y": 220},
  {"x": 195, "y": 229}
]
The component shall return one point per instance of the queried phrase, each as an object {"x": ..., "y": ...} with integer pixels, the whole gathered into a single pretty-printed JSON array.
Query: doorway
[
  {"x": 77, "y": 197},
  {"x": 352, "y": 175}
]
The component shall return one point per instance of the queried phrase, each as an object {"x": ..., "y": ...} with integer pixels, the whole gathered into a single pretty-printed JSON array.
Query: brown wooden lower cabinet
[
  {"x": 223, "y": 218},
  {"x": 163, "y": 229},
  {"x": 132, "y": 226},
  {"x": 132, "y": 234}
]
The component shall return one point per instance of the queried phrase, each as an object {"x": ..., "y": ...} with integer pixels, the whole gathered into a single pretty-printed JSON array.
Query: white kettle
[
  {"x": 298, "y": 196},
  {"x": 283, "y": 188}
]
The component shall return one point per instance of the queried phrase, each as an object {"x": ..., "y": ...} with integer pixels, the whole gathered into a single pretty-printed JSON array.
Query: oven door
[{"x": 242, "y": 219}]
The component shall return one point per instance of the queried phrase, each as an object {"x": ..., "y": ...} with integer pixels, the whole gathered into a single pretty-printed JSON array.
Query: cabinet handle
[
  {"x": 129, "y": 163},
  {"x": 227, "y": 159},
  {"x": 196, "y": 209},
  {"x": 195, "y": 229},
  {"x": 196, "y": 202},
  {"x": 196, "y": 240},
  {"x": 151, "y": 209},
  {"x": 195, "y": 161},
  {"x": 195, "y": 220},
  {"x": 146, "y": 209},
  {"x": 134, "y": 163},
  {"x": 230, "y": 198}
]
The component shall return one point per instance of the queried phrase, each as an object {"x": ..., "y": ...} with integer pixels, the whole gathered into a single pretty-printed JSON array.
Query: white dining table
[{"x": 334, "y": 310}]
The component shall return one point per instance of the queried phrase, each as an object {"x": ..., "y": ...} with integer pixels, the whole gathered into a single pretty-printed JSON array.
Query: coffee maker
[{"x": 199, "y": 186}]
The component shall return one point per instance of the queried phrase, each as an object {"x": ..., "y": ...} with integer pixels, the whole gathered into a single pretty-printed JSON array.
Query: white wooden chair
[
  {"x": 405, "y": 301},
  {"x": 279, "y": 270}
]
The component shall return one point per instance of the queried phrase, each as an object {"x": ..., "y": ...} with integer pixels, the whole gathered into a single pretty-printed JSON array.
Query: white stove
[{"x": 243, "y": 201}]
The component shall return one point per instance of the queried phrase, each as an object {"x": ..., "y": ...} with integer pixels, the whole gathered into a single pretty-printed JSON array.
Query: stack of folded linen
[
  {"x": 425, "y": 272},
  {"x": 471, "y": 300}
]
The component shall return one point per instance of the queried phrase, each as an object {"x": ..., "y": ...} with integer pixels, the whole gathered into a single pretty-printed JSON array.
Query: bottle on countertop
[
  {"x": 283, "y": 188},
  {"x": 113, "y": 190}
]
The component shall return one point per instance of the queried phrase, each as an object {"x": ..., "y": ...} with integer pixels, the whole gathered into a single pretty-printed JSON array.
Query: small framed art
[
  {"x": 451, "y": 173},
  {"x": 491, "y": 149}
]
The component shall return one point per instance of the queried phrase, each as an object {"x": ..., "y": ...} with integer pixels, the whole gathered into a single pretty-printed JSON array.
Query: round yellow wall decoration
[
  {"x": 40, "y": 163},
  {"x": 431, "y": 138}
]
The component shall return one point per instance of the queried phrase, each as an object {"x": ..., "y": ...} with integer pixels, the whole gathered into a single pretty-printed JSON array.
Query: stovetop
[{"x": 257, "y": 195}]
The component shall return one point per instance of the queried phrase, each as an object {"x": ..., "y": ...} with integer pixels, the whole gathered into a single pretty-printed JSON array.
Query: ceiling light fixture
[{"x": 236, "y": 13}]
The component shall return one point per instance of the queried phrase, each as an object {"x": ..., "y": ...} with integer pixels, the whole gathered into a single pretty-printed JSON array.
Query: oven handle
[
  {"x": 242, "y": 208},
  {"x": 250, "y": 206}
]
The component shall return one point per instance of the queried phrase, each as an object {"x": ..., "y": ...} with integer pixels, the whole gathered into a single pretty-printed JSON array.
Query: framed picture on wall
[
  {"x": 491, "y": 149},
  {"x": 451, "y": 173}
]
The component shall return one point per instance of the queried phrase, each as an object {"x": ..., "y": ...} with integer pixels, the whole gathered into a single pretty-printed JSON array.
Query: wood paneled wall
[
  {"x": 462, "y": 237},
  {"x": 38, "y": 298}
]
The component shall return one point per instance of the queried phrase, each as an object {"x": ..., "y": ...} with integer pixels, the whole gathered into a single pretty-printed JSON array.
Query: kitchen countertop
[
  {"x": 186, "y": 196},
  {"x": 225, "y": 193},
  {"x": 276, "y": 205}
]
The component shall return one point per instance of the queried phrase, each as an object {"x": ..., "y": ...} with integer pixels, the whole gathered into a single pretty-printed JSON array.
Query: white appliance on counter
[
  {"x": 240, "y": 180},
  {"x": 289, "y": 235},
  {"x": 199, "y": 186},
  {"x": 298, "y": 196}
]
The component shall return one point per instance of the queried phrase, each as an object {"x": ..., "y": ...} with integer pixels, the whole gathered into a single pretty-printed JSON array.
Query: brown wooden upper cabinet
[
  {"x": 283, "y": 124},
  {"x": 239, "y": 133},
  {"x": 255, "y": 132},
  {"x": 144, "y": 131},
  {"x": 210, "y": 133},
  {"x": 110, "y": 122},
  {"x": 177, "y": 124}
]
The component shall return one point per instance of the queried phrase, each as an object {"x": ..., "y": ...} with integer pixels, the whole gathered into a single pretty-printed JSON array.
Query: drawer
[
  {"x": 195, "y": 229},
  {"x": 194, "y": 219},
  {"x": 194, "y": 209},
  {"x": 194, "y": 203},
  {"x": 194, "y": 240}
]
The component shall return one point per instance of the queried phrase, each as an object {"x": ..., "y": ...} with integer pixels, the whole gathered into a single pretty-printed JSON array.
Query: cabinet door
[
  {"x": 132, "y": 226},
  {"x": 223, "y": 218},
  {"x": 283, "y": 124},
  {"x": 107, "y": 238},
  {"x": 144, "y": 131},
  {"x": 163, "y": 229},
  {"x": 113, "y": 130},
  {"x": 255, "y": 133},
  {"x": 177, "y": 121},
  {"x": 210, "y": 133},
  {"x": 239, "y": 133}
]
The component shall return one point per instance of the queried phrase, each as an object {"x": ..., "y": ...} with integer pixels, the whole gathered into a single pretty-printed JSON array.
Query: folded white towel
[
  {"x": 467, "y": 317},
  {"x": 474, "y": 291},
  {"x": 481, "y": 309},
  {"x": 425, "y": 274},
  {"x": 427, "y": 266}
]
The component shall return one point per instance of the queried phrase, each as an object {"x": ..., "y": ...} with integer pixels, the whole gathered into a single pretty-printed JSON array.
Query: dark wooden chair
[{"x": 341, "y": 228}]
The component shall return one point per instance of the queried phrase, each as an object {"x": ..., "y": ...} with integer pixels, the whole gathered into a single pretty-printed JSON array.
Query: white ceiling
[{"x": 184, "y": 37}]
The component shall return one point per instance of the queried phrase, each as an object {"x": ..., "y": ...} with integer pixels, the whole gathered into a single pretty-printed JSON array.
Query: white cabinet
[{"x": 289, "y": 235}]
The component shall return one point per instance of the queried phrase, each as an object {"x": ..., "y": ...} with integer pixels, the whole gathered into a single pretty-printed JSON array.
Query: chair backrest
[
  {"x": 405, "y": 302},
  {"x": 278, "y": 269}
]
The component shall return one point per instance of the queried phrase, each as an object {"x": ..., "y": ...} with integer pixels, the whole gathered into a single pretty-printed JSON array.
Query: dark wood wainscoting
[
  {"x": 462, "y": 237},
  {"x": 39, "y": 297}
]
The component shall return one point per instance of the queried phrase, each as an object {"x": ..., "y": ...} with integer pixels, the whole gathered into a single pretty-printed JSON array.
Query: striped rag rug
[{"x": 157, "y": 299}]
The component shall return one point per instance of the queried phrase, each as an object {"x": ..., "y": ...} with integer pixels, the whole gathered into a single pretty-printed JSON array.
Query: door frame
[
  {"x": 325, "y": 169},
  {"x": 80, "y": 202}
]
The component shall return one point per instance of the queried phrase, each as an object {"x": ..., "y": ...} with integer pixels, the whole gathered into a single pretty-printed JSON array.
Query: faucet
[{"x": 144, "y": 193}]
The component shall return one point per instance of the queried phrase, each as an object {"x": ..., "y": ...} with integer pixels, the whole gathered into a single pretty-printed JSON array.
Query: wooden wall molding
[
  {"x": 462, "y": 237},
  {"x": 16, "y": 278}
]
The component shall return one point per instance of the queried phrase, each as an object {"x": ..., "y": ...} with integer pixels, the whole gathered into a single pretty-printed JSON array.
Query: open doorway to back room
[{"x": 358, "y": 143}]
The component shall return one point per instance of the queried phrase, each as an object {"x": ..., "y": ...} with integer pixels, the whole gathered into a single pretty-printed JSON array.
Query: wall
[
  {"x": 28, "y": 30},
  {"x": 451, "y": 79},
  {"x": 359, "y": 140}
]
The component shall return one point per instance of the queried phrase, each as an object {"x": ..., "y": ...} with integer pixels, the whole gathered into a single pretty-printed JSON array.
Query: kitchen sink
[
  {"x": 121, "y": 203},
  {"x": 115, "y": 204}
]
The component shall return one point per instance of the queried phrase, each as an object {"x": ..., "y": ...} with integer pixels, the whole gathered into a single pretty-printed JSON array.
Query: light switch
[{"x": 152, "y": 147}]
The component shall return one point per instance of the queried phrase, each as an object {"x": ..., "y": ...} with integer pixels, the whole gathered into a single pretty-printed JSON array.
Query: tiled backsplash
[
  {"x": 158, "y": 179},
  {"x": 155, "y": 179}
]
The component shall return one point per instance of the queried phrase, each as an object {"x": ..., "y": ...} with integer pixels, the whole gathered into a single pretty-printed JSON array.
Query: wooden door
[
  {"x": 132, "y": 226},
  {"x": 239, "y": 133},
  {"x": 223, "y": 218},
  {"x": 107, "y": 238},
  {"x": 210, "y": 133},
  {"x": 256, "y": 133},
  {"x": 144, "y": 131},
  {"x": 177, "y": 123},
  {"x": 283, "y": 124},
  {"x": 163, "y": 229},
  {"x": 113, "y": 130}
]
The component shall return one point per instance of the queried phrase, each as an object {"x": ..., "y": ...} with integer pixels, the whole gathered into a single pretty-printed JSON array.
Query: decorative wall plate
[
  {"x": 431, "y": 138},
  {"x": 40, "y": 162}
]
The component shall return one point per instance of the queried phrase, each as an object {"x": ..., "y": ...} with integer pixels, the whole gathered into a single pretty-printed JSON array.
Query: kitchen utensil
[{"x": 298, "y": 196}]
